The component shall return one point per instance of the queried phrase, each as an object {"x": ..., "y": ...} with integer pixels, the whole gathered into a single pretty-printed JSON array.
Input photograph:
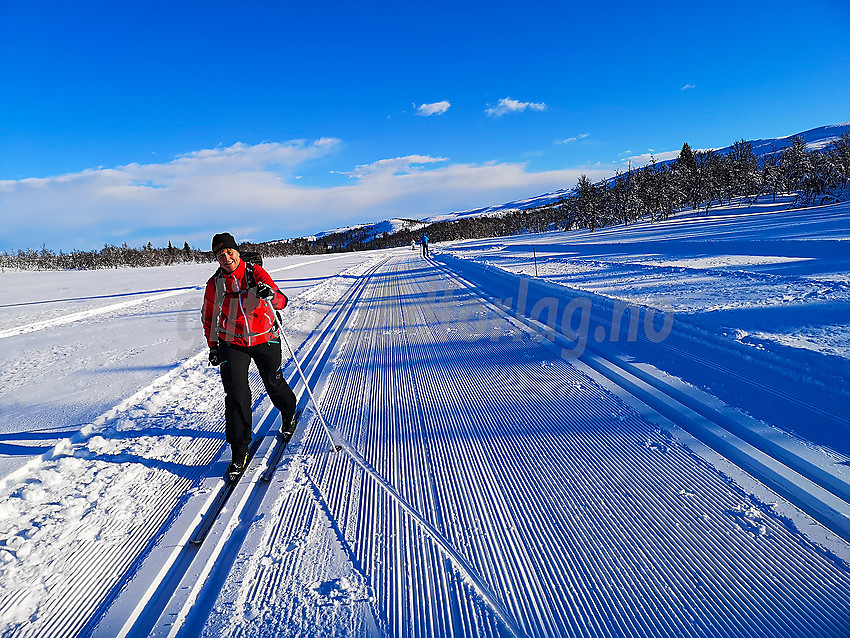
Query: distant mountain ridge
[
  {"x": 816, "y": 139},
  {"x": 388, "y": 226}
]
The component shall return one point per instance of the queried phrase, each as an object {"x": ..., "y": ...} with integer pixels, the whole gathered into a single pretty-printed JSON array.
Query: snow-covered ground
[
  {"x": 640, "y": 431},
  {"x": 766, "y": 282},
  {"x": 75, "y": 344}
]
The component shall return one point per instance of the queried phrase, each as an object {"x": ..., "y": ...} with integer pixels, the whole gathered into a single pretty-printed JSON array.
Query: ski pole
[
  {"x": 457, "y": 560},
  {"x": 279, "y": 324}
]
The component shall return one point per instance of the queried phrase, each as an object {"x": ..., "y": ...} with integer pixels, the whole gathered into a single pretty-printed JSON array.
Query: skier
[
  {"x": 239, "y": 327},
  {"x": 425, "y": 246},
  {"x": 412, "y": 244}
]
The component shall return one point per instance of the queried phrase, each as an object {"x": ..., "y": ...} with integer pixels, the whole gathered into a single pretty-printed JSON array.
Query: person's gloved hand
[
  {"x": 264, "y": 291},
  {"x": 215, "y": 357}
]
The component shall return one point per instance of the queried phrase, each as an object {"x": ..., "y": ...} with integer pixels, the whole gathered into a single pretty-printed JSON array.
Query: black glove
[
  {"x": 215, "y": 357},
  {"x": 264, "y": 291}
]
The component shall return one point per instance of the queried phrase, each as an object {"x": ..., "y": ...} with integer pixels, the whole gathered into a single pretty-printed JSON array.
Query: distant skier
[
  {"x": 412, "y": 244},
  {"x": 425, "y": 246},
  {"x": 239, "y": 327}
]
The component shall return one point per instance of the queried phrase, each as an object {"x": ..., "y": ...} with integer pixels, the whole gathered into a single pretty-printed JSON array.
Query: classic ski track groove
[
  {"x": 72, "y": 603},
  {"x": 590, "y": 560},
  {"x": 76, "y": 606},
  {"x": 578, "y": 528},
  {"x": 183, "y": 602},
  {"x": 693, "y": 331}
]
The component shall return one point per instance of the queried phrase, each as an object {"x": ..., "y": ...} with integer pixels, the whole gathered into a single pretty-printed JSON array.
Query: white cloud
[
  {"x": 688, "y": 87},
  {"x": 569, "y": 140},
  {"x": 646, "y": 158},
  {"x": 257, "y": 155},
  {"x": 82, "y": 210},
  {"x": 250, "y": 187},
  {"x": 436, "y": 108},
  {"x": 393, "y": 166},
  {"x": 508, "y": 105}
]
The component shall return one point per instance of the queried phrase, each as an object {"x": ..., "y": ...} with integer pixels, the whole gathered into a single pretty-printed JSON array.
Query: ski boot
[
  {"x": 236, "y": 468},
  {"x": 290, "y": 429}
]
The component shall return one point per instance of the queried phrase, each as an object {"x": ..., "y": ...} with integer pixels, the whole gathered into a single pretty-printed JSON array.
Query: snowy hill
[
  {"x": 520, "y": 204},
  {"x": 370, "y": 231},
  {"x": 816, "y": 139}
]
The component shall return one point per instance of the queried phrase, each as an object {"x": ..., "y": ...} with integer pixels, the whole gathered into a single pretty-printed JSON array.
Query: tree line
[
  {"x": 126, "y": 256},
  {"x": 695, "y": 180},
  {"x": 702, "y": 179}
]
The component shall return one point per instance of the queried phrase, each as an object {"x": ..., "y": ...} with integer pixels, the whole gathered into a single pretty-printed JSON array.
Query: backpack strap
[
  {"x": 221, "y": 293},
  {"x": 219, "y": 300},
  {"x": 249, "y": 275}
]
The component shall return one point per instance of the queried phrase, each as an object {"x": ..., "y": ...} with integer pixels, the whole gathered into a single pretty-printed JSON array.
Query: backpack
[{"x": 251, "y": 259}]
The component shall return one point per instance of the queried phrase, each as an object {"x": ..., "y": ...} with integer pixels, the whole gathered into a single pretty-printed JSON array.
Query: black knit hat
[{"x": 222, "y": 241}]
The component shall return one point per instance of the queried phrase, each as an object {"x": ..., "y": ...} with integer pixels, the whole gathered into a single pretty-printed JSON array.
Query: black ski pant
[
  {"x": 424, "y": 249},
  {"x": 238, "y": 423}
]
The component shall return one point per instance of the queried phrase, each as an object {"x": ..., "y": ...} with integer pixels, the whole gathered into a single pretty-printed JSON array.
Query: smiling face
[{"x": 228, "y": 259}]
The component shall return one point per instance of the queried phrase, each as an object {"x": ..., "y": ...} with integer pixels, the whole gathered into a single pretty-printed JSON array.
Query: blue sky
[{"x": 157, "y": 121}]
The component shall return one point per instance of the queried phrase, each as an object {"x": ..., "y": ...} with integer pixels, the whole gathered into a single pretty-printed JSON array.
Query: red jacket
[{"x": 243, "y": 318}]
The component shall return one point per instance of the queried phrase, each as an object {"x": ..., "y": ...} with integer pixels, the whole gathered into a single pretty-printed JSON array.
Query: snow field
[
  {"x": 78, "y": 521},
  {"x": 777, "y": 275},
  {"x": 93, "y": 504},
  {"x": 500, "y": 487},
  {"x": 581, "y": 517},
  {"x": 68, "y": 373},
  {"x": 716, "y": 350}
]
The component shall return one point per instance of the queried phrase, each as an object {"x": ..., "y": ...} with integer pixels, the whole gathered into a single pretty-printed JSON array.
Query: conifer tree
[
  {"x": 744, "y": 167},
  {"x": 688, "y": 174}
]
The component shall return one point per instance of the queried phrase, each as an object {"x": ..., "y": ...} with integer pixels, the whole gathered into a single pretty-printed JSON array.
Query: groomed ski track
[{"x": 488, "y": 486}]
